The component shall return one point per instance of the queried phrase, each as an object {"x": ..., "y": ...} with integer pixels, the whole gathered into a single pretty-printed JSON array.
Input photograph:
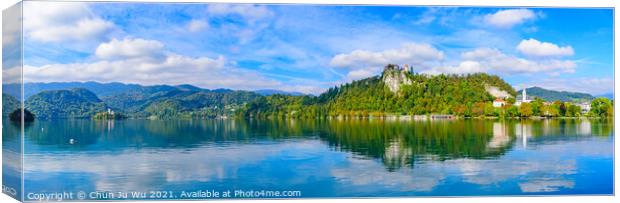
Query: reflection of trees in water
[
  {"x": 400, "y": 144},
  {"x": 60, "y": 132},
  {"x": 11, "y": 134},
  {"x": 396, "y": 143},
  {"x": 10, "y": 130},
  {"x": 119, "y": 134}
]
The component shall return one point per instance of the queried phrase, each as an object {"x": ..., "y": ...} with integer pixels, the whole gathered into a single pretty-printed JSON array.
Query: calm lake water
[{"x": 321, "y": 158}]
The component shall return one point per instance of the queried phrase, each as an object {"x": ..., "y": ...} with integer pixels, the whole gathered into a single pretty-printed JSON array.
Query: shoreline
[{"x": 387, "y": 118}]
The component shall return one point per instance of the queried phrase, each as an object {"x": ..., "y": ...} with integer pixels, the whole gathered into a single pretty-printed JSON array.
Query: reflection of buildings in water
[
  {"x": 500, "y": 136},
  {"x": 396, "y": 154},
  {"x": 523, "y": 131},
  {"x": 292, "y": 121},
  {"x": 584, "y": 127},
  {"x": 110, "y": 125},
  {"x": 547, "y": 128}
]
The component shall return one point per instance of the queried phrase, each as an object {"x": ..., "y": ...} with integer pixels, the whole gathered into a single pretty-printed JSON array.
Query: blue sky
[{"x": 309, "y": 48}]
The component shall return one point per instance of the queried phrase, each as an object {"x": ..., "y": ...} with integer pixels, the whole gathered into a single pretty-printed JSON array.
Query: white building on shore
[
  {"x": 498, "y": 102},
  {"x": 585, "y": 107},
  {"x": 523, "y": 98}
]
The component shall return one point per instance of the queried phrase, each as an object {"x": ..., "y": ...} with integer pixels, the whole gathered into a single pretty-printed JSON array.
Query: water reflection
[
  {"x": 362, "y": 157},
  {"x": 396, "y": 143}
]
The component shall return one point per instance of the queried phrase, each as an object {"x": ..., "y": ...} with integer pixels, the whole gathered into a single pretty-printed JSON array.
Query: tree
[
  {"x": 601, "y": 107},
  {"x": 16, "y": 116},
  {"x": 537, "y": 106},
  {"x": 489, "y": 110},
  {"x": 554, "y": 109},
  {"x": 525, "y": 110},
  {"x": 478, "y": 109},
  {"x": 544, "y": 110},
  {"x": 510, "y": 100},
  {"x": 512, "y": 111},
  {"x": 459, "y": 109},
  {"x": 573, "y": 110},
  {"x": 563, "y": 108}
]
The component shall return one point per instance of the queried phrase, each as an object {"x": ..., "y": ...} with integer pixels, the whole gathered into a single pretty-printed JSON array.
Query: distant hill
[
  {"x": 74, "y": 103},
  {"x": 162, "y": 101},
  {"x": 84, "y": 99},
  {"x": 552, "y": 95},
  {"x": 100, "y": 89},
  {"x": 268, "y": 92},
  {"x": 115, "y": 88}
]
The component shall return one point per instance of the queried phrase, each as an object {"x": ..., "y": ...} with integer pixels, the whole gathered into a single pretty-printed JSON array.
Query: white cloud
[
  {"x": 427, "y": 59},
  {"x": 363, "y": 63},
  {"x": 462, "y": 68},
  {"x": 130, "y": 48},
  {"x": 145, "y": 62},
  {"x": 412, "y": 53},
  {"x": 250, "y": 12},
  {"x": 546, "y": 185},
  {"x": 425, "y": 20},
  {"x": 11, "y": 26},
  {"x": 364, "y": 172},
  {"x": 63, "y": 21},
  {"x": 11, "y": 75},
  {"x": 223, "y": 163},
  {"x": 361, "y": 73},
  {"x": 533, "y": 47},
  {"x": 197, "y": 25},
  {"x": 509, "y": 18},
  {"x": 497, "y": 61},
  {"x": 249, "y": 21}
]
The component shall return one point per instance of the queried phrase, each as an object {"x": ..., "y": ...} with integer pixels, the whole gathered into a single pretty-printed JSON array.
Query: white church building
[{"x": 523, "y": 98}]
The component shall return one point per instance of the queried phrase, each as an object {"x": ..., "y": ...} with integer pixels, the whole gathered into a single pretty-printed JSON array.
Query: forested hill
[
  {"x": 395, "y": 91},
  {"x": 114, "y": 88},
  {"x": 159, "y": 101},
  {"x": 74, "y": 103},
  {"x": 552, "y": 95}
]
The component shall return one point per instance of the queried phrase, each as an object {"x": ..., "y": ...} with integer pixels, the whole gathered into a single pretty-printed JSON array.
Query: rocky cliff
[{"x": 394, "y": 76}]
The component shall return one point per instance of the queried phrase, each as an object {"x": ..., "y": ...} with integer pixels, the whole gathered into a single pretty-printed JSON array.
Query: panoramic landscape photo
[{"x": 195, "y": 101}]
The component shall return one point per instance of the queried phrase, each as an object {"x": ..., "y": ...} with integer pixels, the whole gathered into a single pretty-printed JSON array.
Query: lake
[{"x": 319, "y": 158}]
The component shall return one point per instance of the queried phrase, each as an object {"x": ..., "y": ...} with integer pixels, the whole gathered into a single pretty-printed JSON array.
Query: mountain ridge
[
  {"x": 554, "y": 95},
  {"x": 396, "y": 91}
]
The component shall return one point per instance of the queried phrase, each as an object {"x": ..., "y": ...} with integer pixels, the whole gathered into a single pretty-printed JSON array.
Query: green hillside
[
  {"x": 162, "y": 102},
  {"x": 74, "y": 103},
  {"x": 396, "y": 91}
]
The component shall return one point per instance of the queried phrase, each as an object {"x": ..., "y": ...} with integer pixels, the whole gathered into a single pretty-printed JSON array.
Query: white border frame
[{"x": 483, "y": 3}]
